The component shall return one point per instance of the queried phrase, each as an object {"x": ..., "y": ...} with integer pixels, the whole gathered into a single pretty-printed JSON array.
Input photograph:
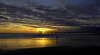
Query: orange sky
[{"x": 8, "y": 27}]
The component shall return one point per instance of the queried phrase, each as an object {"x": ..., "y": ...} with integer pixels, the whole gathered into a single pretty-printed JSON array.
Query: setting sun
[{"x": 44, "y": 30}]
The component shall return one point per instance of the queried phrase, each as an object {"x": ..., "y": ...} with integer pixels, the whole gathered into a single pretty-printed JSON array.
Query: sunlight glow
[
  {"x": 44, "y": 30},
  {"x": 8, "y": 27}
]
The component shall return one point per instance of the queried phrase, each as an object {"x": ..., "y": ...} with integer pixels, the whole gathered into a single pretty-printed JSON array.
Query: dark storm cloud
[
  {"x": 84, "y": 7},
  {"x": 52, "y": 3}
]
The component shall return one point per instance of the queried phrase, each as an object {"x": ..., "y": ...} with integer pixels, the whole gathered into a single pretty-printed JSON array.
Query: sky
[
  {"x": 82, "y": 4},
  {"x": 52, "y": 3}
]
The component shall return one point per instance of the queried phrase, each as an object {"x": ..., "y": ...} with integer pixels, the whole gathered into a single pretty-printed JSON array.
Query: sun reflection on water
[{"x": 13, "y": 44}]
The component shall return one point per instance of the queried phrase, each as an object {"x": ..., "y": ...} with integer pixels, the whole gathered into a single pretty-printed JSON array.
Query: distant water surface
[{"x": 68, "y": 40}]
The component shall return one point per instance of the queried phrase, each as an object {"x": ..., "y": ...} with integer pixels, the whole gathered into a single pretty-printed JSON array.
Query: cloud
[
  {"x": 89, "y": 22},
  {"x": 53, "y": 18},
  {"x": 26, "y": 3}
]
